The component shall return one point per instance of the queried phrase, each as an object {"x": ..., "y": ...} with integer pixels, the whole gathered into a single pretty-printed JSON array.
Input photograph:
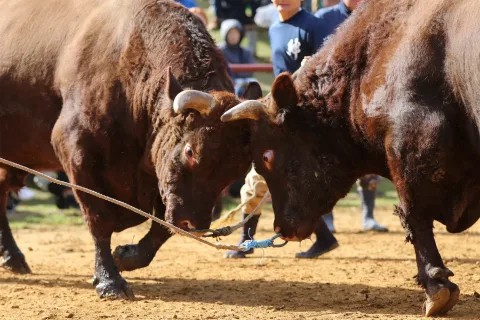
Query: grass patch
[{"x": 42, "y": 210}]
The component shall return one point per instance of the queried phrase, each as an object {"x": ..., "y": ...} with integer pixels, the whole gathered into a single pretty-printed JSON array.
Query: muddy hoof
[
  {"x": 126, "y": 257},
  {"x": 114, "y": 289},
  {"x": 232, "y": 254},
  {"x": 442, "y": 301},
  {"x": 15, "y": 263}
]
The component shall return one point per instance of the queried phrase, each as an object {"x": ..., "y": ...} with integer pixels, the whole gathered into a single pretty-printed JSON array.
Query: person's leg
[
  {"x": 252, "y": 37},
  {"x": 254, "y": 189},
  {"x": 325, "y": 242},
  {"x": 328, "y": 219},
  {"x": 64, "y": 197},
  {"x": 367, "y": 188}
]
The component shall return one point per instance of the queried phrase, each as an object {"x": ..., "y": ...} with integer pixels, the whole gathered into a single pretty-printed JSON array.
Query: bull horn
[
  {"x": 250, "y": 109},
  {"x": 193, "y": 99}
]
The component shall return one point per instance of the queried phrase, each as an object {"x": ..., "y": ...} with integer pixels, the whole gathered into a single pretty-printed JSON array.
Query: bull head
[
  {"x": 305, "y": 172},
  {"x": 184, "y": 100}
]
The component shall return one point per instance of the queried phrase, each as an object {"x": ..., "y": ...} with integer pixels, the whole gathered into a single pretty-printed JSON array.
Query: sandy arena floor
[{"x": 369, "y": 277}]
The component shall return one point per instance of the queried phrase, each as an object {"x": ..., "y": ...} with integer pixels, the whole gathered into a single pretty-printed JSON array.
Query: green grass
[{"x": 42, "y": 211}]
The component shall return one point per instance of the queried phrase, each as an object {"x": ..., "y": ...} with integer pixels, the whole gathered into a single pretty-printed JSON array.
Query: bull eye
[
  {"x": 190, "y": 155},
  {"x": 268, "y": 157},
  {"x": 188, "y": 152}
]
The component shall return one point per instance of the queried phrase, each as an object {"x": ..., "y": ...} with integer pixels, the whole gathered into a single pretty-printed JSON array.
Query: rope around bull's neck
[{"x": 243, "y": 247}]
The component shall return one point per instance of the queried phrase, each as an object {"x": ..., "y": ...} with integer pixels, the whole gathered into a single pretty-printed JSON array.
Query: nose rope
[
  {"x": 228, "y": 230},
  {"x": 218, "y": 246}
]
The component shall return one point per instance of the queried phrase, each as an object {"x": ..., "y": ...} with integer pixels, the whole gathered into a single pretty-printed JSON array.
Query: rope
[
  {"x": 176, "y": 229},
  {"x": 226, "y": 231},
  {"x": 254, "y": 244}
]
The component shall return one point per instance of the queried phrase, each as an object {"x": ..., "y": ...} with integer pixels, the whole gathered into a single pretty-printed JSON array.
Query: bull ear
[
  {"x": 172, "y": 87},
  {"x": 253, "y": 91},
  {"x": 283, "y": 92}
]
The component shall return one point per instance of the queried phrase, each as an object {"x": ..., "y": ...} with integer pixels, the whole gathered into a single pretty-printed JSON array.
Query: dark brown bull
[
  {"x": 395, "y": 92},
  {"x": 91, "y": 79}
]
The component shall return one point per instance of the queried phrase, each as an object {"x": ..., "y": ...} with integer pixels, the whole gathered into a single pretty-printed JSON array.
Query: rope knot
[{"x": 254, "y": 244}]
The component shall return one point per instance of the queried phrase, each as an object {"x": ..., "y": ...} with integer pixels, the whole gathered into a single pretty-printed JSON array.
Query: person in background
[
  {"x": 14, "y": 199},
  {"x": 297, "y": 34},
  {"x": 330, "y": 18},
  {"x": 232, "y": 33},
  {"x": 12, "y": 202},
  {"x": 294, "y": 36}
]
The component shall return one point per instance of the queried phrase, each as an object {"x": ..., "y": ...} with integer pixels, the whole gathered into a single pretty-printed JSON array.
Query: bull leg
[
  {"x": 135, "y": 256},
  {"x": 13, "y": 258},
  {"x": 433, "y": 276},
  {"x": 107, "y": 280},
  {"x": 101, "y": 218}
]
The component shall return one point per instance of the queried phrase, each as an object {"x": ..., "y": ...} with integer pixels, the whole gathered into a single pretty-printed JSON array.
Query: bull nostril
[
  {"x": 278, "y": 230},
  {"x": 186, "y": 225}
]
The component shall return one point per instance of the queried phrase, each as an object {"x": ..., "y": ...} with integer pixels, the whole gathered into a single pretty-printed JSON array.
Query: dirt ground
[{"x": 369, "y": 276}]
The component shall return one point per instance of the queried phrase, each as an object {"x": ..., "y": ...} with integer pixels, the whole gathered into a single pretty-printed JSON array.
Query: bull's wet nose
[{"x": 185, "y": 225}]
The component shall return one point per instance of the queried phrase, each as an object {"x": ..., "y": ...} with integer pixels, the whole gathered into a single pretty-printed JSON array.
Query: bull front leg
[
  {"x": 102, "y": 219},
  {"x": 107, "y": 280},
  {"x": 441, "y": 294},
  {"x": 135, "y": 256},
  {"x": 13, "y": 258}
]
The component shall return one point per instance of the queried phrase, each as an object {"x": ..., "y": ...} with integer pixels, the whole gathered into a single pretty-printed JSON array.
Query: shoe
[
  {"x": 25, "y": 194},
  {"x": 372, "y": 225},
  {"x": 316, "y": 251}
]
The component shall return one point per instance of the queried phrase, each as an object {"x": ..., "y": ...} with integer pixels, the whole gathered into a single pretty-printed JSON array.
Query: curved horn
[
  {"x": 250, "y": 109},
  {"x": 193, "y": 99}
]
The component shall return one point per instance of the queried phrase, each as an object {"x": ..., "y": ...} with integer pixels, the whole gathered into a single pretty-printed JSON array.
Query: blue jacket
[
  {"x": 331, "y": 18},
  {"x": 293, "y": 39},
  {"x": 188, "y": 3}
]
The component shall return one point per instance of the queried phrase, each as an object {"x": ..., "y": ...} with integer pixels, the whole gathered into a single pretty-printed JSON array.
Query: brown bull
[
  {"x": 92, "y": 79},
  {"x": 395, "y": 92}
]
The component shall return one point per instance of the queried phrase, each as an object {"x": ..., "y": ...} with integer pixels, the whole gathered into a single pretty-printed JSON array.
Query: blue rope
[{"x": 254, "y": 244}]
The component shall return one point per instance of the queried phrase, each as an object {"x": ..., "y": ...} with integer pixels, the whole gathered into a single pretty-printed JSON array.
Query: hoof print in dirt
[
  {"x": 114, "y": 289},
  {"x": 15, "y": 263}
]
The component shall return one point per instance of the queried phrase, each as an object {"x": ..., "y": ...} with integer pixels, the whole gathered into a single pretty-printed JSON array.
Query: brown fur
[
  {"x": 394, "y": 92},
  {"x": 91, "y": 78}
]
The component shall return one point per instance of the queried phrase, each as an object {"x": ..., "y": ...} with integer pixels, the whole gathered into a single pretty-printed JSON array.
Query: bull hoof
[
  {"x": 452, "y": 301},
  {"x": 127, "y": 258},
  {"x": 15, "y": 263},
  {"x": 114, "y": 289},
  {"x": 443, "y": 301}
]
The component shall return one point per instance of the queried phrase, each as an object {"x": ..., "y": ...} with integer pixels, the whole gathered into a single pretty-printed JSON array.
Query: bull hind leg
[
  {"x": 135, "y": 256},
  {"x": 416, "y": 154},
  {"x": 441, "y": 294},
  {"x": 13, "y": 258},
  {"x": 433, "y": 276}
]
